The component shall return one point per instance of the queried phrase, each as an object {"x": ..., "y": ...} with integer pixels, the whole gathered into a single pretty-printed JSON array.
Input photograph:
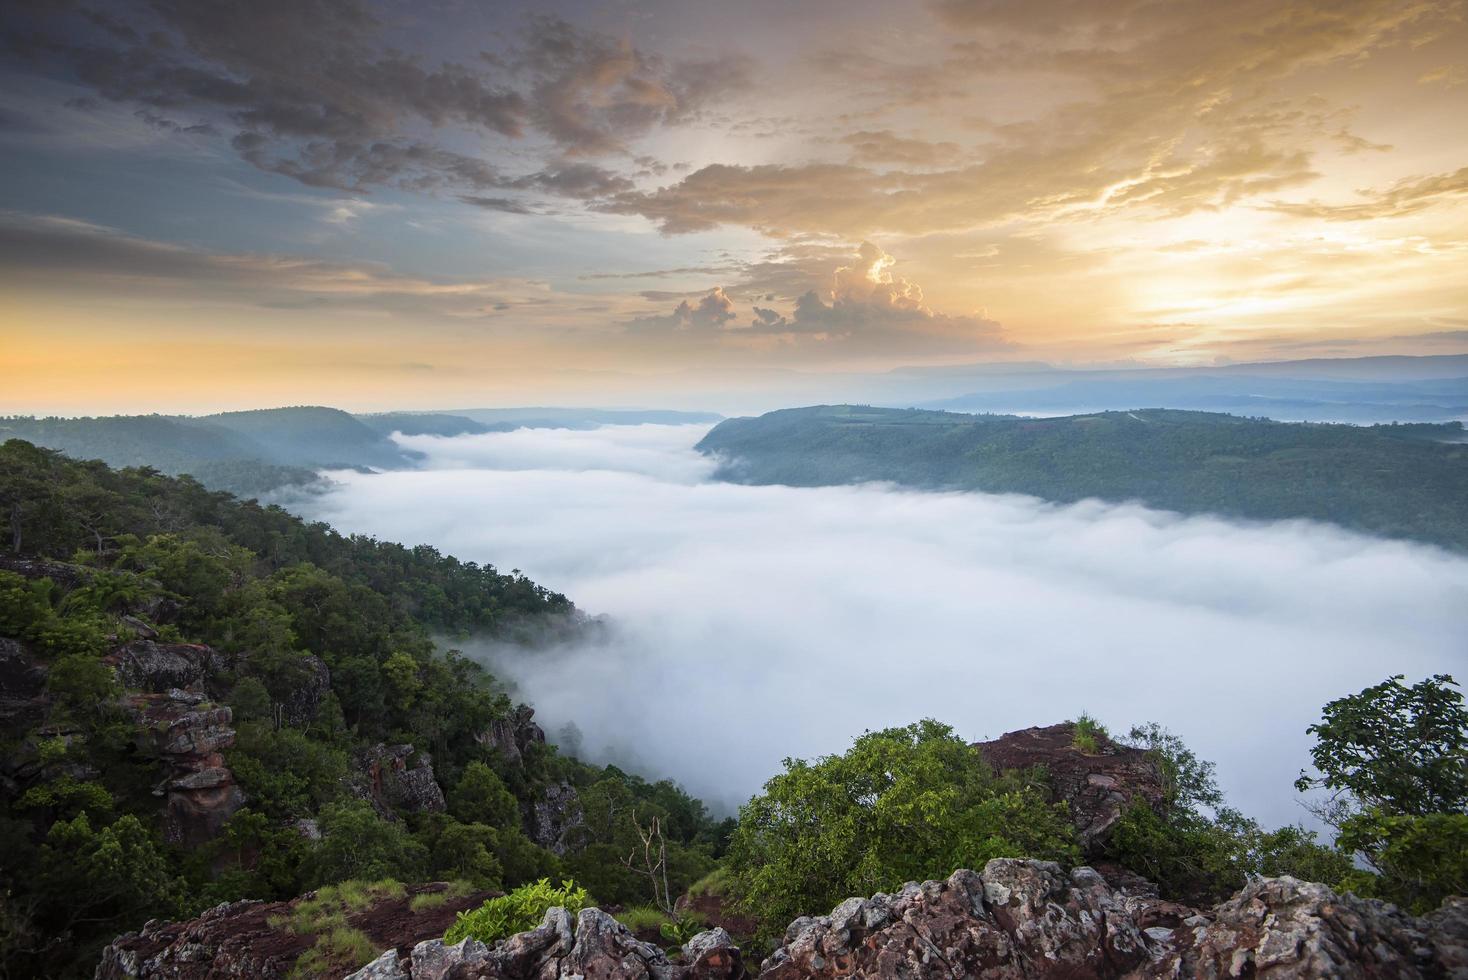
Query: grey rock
[{"x": 385, "y": 967}]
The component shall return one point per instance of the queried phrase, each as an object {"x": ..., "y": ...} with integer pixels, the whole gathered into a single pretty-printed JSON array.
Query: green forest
[
  {"x": 366, "y": 754},
  {"x": 1406, "y": 481}
]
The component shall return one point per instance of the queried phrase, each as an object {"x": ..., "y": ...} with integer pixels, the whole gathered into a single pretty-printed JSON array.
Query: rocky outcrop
[
  {"x": 1098, "y": 787},
  {"x": 1026, "y": 919},
  {"x": 23, "y": 700},
  {"x": 306, "y": 697},
  {"x": 249, "y": 939},
  {"x": 1017, "y": 920},
  {"x": 386, "y": 779},
  {"x": 189, "y": 733},
  {"x": 552, "y": 819},
  {"x": 513, "y": 736},
  {"x": 595, "y": 947},
  {"x": 156, "y": 668},
  {"x": 1283, "y": 928}
]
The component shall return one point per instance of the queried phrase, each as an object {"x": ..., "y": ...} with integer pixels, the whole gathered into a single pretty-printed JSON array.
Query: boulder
[
  {"x": 712, "y": 955},
  {"x": 1098, "y": 787},
  {"x": 385, "y": 779}
]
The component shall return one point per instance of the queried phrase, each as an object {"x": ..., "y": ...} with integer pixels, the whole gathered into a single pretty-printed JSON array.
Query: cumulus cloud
[
  {"x": 747, "y": 624},
  {"x": 712, "y": 311}
]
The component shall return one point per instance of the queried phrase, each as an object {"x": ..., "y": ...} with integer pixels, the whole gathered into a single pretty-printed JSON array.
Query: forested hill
[
  {"x": 245, "y": 453},
  {"x": 1408, "y": 481},
  {"x": 203, "y": 700}
]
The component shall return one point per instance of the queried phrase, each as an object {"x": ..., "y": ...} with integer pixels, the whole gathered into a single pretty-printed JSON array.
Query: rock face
[
  {"x": 23, "y": 700},
  {"x": 512, "y": 736},
  {"x": 552, "y": 819},
  {"x": 1098, "y": 787},
  {"x": 594, "y": 947},
  {"x": 386, "y": 780},
  {"x": 189, "y": 733},
  {"x": 156, "y": 668}
]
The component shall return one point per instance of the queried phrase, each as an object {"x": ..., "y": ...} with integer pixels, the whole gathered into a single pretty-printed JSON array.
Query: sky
[
  {"x": 207, "y": 204},
  {"x": 749, "y": 624}
]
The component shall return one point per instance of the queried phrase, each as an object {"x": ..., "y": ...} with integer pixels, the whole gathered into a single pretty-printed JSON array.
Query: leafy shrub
[
  {"x": 520, "y": 910},
  {"x": 902, "y": 804},
  {"x": 1088, "y": 734}
]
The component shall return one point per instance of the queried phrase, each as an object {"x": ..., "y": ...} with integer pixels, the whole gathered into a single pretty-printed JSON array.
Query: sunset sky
[{"x": 209, "y": 204}]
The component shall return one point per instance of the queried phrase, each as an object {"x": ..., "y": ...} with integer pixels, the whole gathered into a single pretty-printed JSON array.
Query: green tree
[
  {"x": 902, "y": 804},
  {"x": 357, "y": 843},
  {"x": 1394, "y": 759},
  {"x": 480, "y": 796},
  {"x": 1401, "y": 749}
]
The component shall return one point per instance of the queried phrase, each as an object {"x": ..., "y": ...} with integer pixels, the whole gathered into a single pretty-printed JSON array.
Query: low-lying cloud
[{"x": 754, "y": 623}]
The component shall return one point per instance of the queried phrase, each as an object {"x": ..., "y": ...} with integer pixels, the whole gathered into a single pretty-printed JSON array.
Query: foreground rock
[
  {"x": 1018, "y": 920},
  {"x": 250, "y": 939},
  {"x": 1025, "y": 919},
  {"x": 1097, "y": 786},
  {"x": 595, "y": 947}
]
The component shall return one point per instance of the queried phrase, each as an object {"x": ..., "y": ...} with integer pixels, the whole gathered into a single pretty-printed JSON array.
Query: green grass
[
  {"x": 326, "y": 910},
  {"x": 718, "y": 882},
  {"x": 433, "y": 900},
  {"x": 1088, "y": 734},
  {"x": 340, "y": 947},
  {"x": 640, "y": 918}
]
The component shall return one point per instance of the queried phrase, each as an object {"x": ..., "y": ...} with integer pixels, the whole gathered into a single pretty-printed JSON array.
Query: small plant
[
  {"x": 1088, "y": 734},
  {"x": 683, "y": 928},
  {"x": 520, "y": 910}
]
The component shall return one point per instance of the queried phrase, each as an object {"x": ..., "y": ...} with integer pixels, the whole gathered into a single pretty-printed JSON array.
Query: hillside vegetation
[
  {"x": 277, "y": 684},
  {"x": 1408, "y": 481}
]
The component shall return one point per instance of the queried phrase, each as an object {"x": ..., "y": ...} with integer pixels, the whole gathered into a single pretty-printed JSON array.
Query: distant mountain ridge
[
  {"x": 1405, "y": 481},
  {"x": 254, "y": 452}
]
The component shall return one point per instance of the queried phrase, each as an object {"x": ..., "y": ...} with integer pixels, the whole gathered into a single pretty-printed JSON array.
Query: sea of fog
[{"x": 749, "y": 624}]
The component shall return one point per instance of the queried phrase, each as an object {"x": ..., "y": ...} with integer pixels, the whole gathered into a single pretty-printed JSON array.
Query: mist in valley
[{"x": 748, "y": 624}]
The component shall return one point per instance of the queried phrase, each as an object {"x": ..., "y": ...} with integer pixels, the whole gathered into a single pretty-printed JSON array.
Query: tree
[
  {"x": 480, "y": 797},
  {"x": 902, "y": 804},
  {"x": 1395, "y": 760},
  {"x": 357, "y": 843},
  {"x": 1398, "y": 748}
]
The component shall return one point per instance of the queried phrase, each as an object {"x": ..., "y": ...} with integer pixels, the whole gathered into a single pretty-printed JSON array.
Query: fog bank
[{"x": 755, "y": 623}]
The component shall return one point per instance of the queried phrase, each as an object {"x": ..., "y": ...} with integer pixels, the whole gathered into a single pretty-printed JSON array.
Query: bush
[
  {"x": 520, "y": 910},
  {"x": 1088, "y": 734},
  {"x": 901, "y": 805}
]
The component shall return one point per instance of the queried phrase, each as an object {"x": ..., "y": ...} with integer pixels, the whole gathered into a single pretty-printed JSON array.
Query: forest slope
[{"x": 1408, "y": 481}]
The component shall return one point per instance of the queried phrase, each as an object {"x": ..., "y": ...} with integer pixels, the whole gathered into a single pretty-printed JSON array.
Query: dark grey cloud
[{"x": 323, "y": 91}]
